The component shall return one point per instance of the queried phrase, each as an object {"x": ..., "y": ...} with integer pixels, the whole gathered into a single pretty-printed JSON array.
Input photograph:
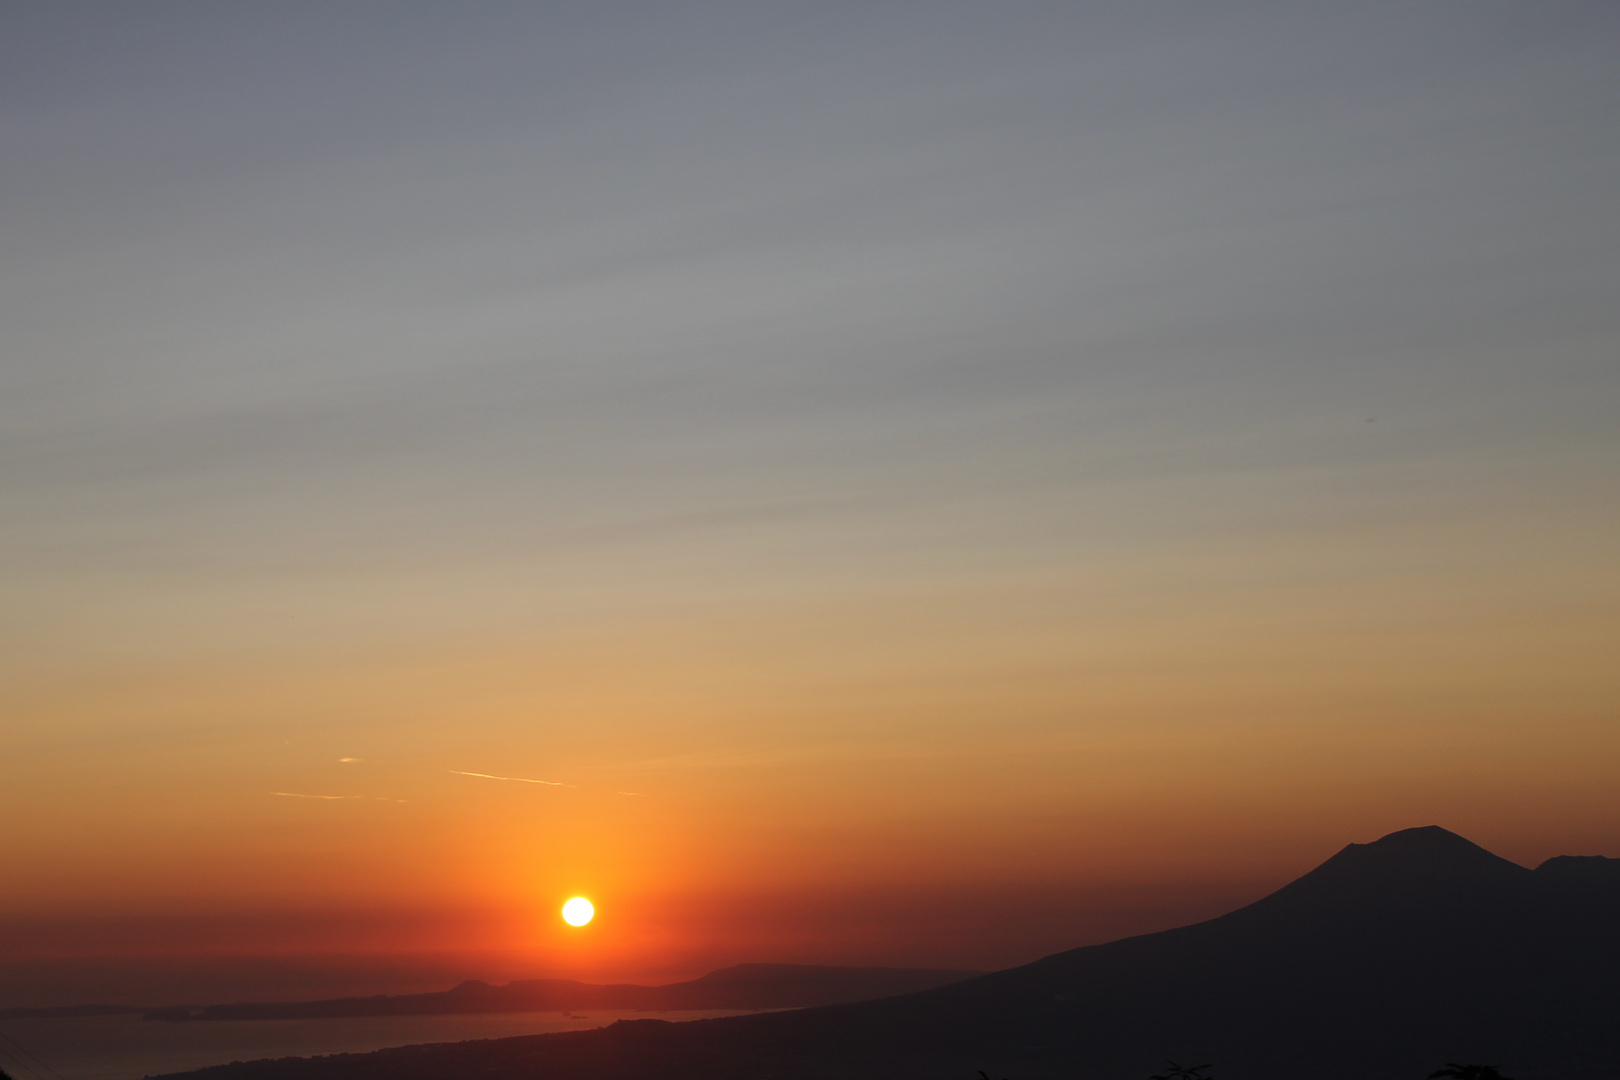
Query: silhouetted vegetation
[
  {"x": 1182, "y": 1072},
  {"x": 1453, "y": 1071}
]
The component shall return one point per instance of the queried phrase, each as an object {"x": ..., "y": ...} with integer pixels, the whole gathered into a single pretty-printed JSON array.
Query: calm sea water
[{"x": 128, "y": 1048}]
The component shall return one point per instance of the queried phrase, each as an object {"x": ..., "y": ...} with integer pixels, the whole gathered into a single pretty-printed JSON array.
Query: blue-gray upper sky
[{"x": 300, "y": 281}]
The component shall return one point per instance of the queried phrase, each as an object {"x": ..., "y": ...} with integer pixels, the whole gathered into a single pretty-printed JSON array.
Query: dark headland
[{"x": 1387, "y": 960}]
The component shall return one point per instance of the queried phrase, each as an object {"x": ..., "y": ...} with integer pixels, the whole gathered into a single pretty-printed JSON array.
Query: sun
[{"x": 578, "y": 911}]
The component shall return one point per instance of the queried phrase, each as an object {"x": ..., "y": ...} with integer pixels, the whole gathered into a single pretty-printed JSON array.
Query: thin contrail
[
  {"x": 301, "y": 795},
  {"x": 516, "y": 779}
]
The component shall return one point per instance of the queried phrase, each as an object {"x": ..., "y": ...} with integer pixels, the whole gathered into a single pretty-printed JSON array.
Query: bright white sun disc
[{"x": 578, "y": 911}]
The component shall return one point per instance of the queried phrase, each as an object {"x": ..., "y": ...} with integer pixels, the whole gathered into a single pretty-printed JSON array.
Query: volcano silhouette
[{"x": 1387, "y": 960}]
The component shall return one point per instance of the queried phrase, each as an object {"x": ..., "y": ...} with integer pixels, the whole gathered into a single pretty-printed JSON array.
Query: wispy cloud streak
[
  {"x": 335, "y": 798},
  {"x": 514, "y": 779}
]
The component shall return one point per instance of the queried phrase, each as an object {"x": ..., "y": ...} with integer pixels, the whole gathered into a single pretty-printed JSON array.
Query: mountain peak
[
  {"x": 1425, "y": 853},
  {"x": 1580, "y": 868},
  {"x": 1428, "y": 838},
  {"x": 1413, "y": 866}
]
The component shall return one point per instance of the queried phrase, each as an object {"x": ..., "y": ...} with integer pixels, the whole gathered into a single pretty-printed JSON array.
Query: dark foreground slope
[
  {"x": 1387, "y": 960},
  {"x": 745, "y": 986}
]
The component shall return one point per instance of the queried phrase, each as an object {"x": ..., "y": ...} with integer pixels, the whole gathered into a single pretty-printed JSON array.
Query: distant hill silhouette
[
  {"x": 1387, "y": 960},
  {"x": 745, "y": 986},
  {"x": 65, "y": 1011}
]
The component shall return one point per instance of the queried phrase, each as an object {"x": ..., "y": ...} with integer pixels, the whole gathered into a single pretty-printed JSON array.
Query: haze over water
[
  {"x": 127, "y": 1047},
  {"x": 919, "y": 484}
]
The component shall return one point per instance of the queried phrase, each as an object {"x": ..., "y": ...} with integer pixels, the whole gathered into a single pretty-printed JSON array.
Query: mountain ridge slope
[{"x": 1388, "y": 959}]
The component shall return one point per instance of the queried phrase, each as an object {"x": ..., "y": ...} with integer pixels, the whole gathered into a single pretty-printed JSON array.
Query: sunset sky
[{"x": 920, "y": 483}]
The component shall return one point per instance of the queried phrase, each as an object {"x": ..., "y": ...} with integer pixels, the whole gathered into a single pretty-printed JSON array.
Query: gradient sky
[{"x": 924, "y": 483}]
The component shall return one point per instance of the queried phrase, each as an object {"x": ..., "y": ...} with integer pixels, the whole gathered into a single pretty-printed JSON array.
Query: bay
[{"x": 129, "y": 1047}]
